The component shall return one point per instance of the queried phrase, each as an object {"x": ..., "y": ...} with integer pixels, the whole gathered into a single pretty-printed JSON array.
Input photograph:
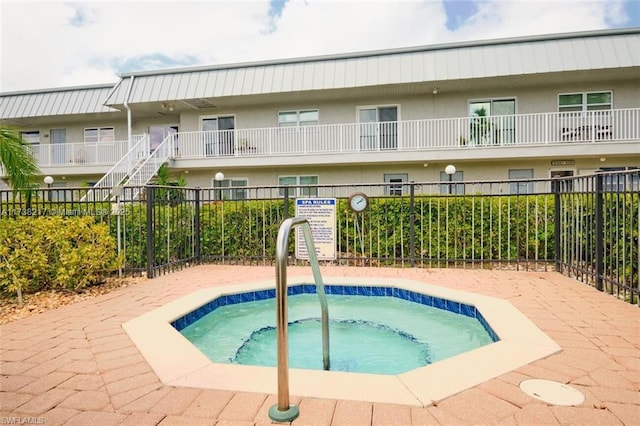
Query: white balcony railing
[
  {"x": 420, "y": 135},
  {"x": 415, "y": 135},
  {"x": 82, "y": 154}
]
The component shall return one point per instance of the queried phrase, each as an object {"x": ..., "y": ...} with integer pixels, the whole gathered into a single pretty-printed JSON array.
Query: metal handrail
[{"x": 284, "y": 411}]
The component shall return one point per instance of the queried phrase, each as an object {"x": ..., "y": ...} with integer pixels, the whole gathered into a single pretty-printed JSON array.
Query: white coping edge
[{"x": 177, "y": 362}]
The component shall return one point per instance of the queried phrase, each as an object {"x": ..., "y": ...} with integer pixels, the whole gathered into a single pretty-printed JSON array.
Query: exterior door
[
  {"x": 505, "y": 124},
  {"x": 388, "y": 117},
  {"x": 492, "y": 122},
  {"x": 565, "y": 185},
  {"x": 378, "y": 128},
  {"x": 226, "y": 125},
  {"x": 159, "y": 133},
  {"x": 58, "y": 139},
  {"x": 219, "y": 137}
]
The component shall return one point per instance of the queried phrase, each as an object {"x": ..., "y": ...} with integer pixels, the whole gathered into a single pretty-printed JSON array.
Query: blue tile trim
[
  {"x": 487, "y": 327},
  {"x": 374, "y": 291}
]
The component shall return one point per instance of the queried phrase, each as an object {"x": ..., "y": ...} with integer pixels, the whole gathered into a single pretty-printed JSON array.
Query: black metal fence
[{"x": 586, "y": 227}]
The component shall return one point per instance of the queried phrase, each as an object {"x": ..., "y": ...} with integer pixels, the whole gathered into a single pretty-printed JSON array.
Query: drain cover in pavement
[{"x": 552, "y": 392}]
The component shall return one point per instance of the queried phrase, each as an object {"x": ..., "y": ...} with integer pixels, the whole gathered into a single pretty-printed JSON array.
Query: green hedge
[
  {"x": 53, "y": 252},
  {"x": 469, "y": 228}
]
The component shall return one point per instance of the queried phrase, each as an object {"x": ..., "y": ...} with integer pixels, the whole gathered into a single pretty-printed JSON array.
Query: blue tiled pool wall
[{"x": 344, "y": 290}]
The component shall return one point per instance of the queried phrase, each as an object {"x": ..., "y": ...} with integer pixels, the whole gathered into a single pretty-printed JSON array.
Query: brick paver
[{"x": 76, "y": 365}]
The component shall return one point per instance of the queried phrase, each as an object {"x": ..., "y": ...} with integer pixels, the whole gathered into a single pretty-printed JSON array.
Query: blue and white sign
[{"x": 321, "y": 214}]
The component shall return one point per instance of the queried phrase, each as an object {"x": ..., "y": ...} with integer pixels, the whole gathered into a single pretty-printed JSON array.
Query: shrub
[{"x": 38, "y": 253}]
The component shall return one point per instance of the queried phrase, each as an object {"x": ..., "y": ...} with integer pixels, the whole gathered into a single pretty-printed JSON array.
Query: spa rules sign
[{"x": 321, "y": 214}]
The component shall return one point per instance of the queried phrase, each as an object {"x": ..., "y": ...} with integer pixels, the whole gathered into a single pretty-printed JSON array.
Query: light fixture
[
  {"x": 435, "y": 91},
  {"x": 603, "y": 159},
  {"x": 450, "y": 170},
  {"x": 219, "y": 176},
  {"x": 48, "y": 180}
]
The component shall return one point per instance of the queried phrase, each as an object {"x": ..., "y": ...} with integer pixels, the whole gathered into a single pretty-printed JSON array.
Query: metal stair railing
[
  {"x": 283, "y": 411},
  {"x": 101, "y": 191},
  {"x": 147, "y": 169}
]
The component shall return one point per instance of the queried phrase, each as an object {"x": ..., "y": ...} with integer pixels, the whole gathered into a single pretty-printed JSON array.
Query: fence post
[
  {"x": 599, "y": 230},
  {"x": 556, "y": 219},
  {"x": 286, "y": 202},
  {"x": 412, "y": 227},
  {"x": 149, "y": 190},
  {"x": 196, "y": 224}
]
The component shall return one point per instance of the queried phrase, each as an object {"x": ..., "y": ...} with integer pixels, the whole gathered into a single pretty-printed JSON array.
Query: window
[
  {"x": 58, "y": 194},
  {"x": 234, "y": 189},
  {"x": 492, "y": 121},
  {"x": 31, "y": 137},
  {"x": 99, "y": 134},
  {"x": 521, "y": 187},
  {"x": 589, "y": 101},
  {"x": 395, "y": 181},
  {"x": 299, "y": 180},
  {"x": 298, "y": 118},
  {"x": 452, "y": 188},
  {"x": 613, "y": 182}
]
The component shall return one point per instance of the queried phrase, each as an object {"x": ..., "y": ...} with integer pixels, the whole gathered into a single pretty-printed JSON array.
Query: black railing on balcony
[{"x": 586, "y": 227}]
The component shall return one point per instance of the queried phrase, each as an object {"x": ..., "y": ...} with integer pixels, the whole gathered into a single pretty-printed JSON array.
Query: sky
[{"x": 47, "y": 44}]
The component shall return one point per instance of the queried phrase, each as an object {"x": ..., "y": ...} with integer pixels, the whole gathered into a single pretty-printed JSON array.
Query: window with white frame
[
  {"x": 451, "y": 187},
  {"x": 230, "y": 189},
  {"x": 300, "y": 191},
  {"x": 395, "y": 183},
  {"x": 521, "y": 186},
  {"x": 308, "y": 117},
  {"x": 587, "y": 101},
  {"x": 99, "y": 134},
  {"x": 58, "y": 191},
  {"x": 32, "y": 137},
  {"x": 618, "y": 182}
]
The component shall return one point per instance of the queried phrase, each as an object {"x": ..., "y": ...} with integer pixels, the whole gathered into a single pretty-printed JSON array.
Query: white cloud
[
  {"x": 497, "y": 18},
  {"x": 52, "y": 43}
]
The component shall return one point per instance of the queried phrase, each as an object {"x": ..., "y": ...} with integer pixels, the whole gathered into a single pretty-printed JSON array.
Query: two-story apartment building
[{"x": 531, "y": 107}]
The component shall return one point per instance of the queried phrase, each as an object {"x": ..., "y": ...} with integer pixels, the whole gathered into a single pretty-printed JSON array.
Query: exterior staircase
[
  {"x": 146, "y": 170},
  {"x": 136, "y": 168},
  {"x": 119, "y": 173}
]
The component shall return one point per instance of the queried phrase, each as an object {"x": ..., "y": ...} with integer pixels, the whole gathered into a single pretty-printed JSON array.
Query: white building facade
[{"x": 535, "y": 107}]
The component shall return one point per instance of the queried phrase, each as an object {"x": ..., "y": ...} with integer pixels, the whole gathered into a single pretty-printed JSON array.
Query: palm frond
[{"x": 19, "y": 163}]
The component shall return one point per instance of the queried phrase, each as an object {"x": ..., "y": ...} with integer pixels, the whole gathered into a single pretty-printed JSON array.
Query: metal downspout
[{"x": 128, "y": 108}]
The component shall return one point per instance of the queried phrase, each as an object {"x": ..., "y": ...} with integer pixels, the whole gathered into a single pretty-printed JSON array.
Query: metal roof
[
  {"x": 497, "y": 58},
  {"x": 55, "y": 102},
  {"x": 200, "y": 86}
]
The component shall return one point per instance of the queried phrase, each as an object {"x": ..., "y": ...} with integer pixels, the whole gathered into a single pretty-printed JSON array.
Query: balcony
[
  {"x": 449, "y": 135},
  {"x": 417, "y": 135},
  {"x": 78, "y": 158},
  {"x": 79, "y": 154}
]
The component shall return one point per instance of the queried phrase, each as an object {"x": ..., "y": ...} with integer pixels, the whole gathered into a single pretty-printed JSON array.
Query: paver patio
[{"x": 76, "y": 365}]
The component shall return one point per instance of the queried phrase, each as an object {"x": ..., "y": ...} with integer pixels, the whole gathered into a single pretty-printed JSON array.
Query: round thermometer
[{"x": 358, "y": 202}]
